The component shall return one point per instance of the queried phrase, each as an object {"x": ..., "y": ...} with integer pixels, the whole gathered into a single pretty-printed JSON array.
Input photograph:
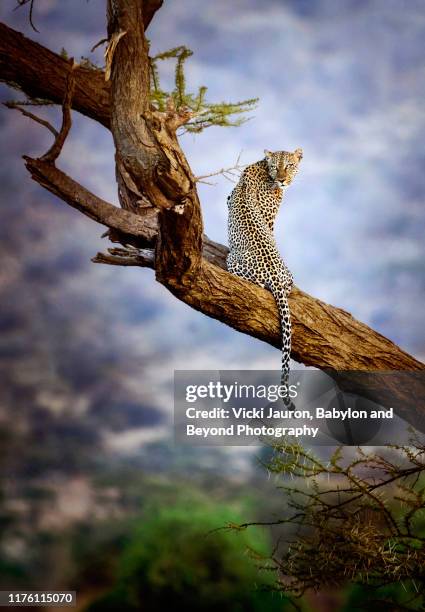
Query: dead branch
[
  {"x": 101, "y": 42},
  {"x": 127, "y": 257},
  {"x": 43, "y": 122},
  {"x": 55, "y": 150},
  {"x": 109, "y": 52},
  {"x": 232, "y": 173},
  {"x": 143, "y": 229}
]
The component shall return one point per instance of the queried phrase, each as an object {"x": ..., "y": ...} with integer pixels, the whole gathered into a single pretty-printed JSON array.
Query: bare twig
[
  {"x": 102, "y": 41},
  {"x": 45, "y": 123},
  {"x": 55, "y": 150},
  {"x": 232, "y": 174},
  {"x": 31, "y": 3},
  {"x": 32, "y": 102}
]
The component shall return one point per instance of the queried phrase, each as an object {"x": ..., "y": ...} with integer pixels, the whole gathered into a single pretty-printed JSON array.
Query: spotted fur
[{"x": 253, "y": 207}]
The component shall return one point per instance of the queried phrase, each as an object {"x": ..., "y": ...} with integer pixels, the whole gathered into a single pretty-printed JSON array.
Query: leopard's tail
[{"x": 281, "y": 298}]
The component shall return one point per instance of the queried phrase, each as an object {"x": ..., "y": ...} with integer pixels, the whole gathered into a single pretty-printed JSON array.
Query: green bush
[{"x": 177, "y": 558}]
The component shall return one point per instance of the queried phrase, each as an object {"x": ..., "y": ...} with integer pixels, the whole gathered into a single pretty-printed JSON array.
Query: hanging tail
[{"x": 280, "y": 296}]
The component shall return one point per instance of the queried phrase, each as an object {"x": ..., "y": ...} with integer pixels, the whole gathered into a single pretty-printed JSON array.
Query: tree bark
[{"x": 151, "y": 166}]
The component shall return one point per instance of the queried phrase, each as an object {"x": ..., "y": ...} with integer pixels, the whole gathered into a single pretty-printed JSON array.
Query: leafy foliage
[
  {"x": 174, "y": 557},
  {"x": 224, "y": 114}
]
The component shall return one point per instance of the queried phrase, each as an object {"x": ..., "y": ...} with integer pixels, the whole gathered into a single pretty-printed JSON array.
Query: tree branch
[
  {"x": 142, "y": 229},
  {"x": 43, "y": 122},
  {"x": 40, "y": 73},
  {"x": 127, "y": 257},
  {"x": 56, "y": 149}
]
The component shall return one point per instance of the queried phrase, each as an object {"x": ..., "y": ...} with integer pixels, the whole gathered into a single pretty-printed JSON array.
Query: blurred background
[{"x": 94, "y": 495}]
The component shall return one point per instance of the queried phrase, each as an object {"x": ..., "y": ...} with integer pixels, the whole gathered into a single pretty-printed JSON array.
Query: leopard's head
[{"x": 283, "y": 165}]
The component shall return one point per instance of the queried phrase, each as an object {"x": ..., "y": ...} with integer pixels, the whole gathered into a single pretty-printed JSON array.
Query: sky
[{"x": 343, "y": 79}]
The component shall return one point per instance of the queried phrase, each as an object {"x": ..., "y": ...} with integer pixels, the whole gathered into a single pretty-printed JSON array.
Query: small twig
[
  {"x": 31, "y": 3},
  {"x": 32, "y": 102},
  {"x": 98, "y": 44},
  {"x": 46, "y": 124},
  {"x": 234, "y": 171},
  {"x": 55, "y": 150}
]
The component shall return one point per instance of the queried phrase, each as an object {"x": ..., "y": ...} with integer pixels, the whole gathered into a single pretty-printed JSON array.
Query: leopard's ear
[
  {"x": 298, "y": 153},
  {"x": 267, "y": 154}
]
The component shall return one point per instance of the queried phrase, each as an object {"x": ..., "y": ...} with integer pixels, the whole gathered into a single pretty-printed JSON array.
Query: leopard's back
[{"x": 254, "y": 191}]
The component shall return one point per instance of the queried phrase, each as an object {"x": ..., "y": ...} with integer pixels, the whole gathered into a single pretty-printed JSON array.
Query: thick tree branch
[
  {"x": 150, "y": 162},
  {"x": 40, "y": 73},
  {"x": 142, "y": 229},
  {"x": 125, "y": 227}
]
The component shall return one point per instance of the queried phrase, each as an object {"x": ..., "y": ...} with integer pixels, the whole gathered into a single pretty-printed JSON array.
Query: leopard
[{"x": 253, "y": 255}]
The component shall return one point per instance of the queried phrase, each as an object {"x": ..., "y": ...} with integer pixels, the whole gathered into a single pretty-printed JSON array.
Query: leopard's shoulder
[{"x": 256, "y": 172}]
